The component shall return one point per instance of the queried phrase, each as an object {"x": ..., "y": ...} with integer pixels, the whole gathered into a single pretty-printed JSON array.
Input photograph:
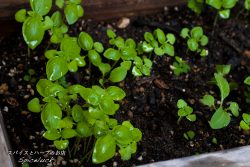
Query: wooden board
[{"x": 97, "y": 9}]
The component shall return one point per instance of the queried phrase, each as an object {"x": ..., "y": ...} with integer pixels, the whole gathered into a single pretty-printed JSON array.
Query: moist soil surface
[{"x": 150, "y": 103}]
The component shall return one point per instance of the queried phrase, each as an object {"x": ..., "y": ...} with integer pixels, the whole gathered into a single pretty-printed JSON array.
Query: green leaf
[
  {"x": 126, "y": 64},
  {"x": 220, "y": 119},
  {"x": 67, "y": 122},
  {"x": 119, "y": 42},
  {"x": 148, "y": 36},
  {"x": 50, "y": 54},
  {"x": 83, "y": 129},
  {"x": 51, "y": 116},
  {"x": 196, "y": 6},
  {"x": 181, "y": 103},
  {"x": 169, "y": 49},
  {"x": 104, "y": 149},
  {"x": 70, "y": 47},
  {"x": 234, "y": 107},
  {"x": 130, "y": 43},
  {"x": 159, "y": 34},
  {"x": 104, "y": 68},
  {"x": 147, "y": 47},
  {"x": 52, "y": 134},
  {"x": 72, "y": 66},
  {"x": 170, "y": 38},
  {"x": 244, "y": 125},
  {"x": 118, "y": 74},
  {"x": 204, "y": 52},
  {"x": 42, "y": 86},
  {"x": 189, "y": 135},
  {"x": 85, "y": 41},
  {"x": 98, "y": 47},
  {"x": 94, "y": 58},
  {"x": 68, "y": 133},
  {"x": 223, "y": 69},
  {"x": 111, "y": 33},
  {"x": 33, "y": 31},
  {"x": 77, "y": 113},
  {"x": 41, "y": 7},
  {"x": 247, "y": 80},
  {"x": 122, "y": 135},
  {"x": 112, "y": 54},
  {"x": 191, "y": 117},
  {"x": 197, "y": 33},
  {"x": 224, "y": 14},
  {"x": 95, "y": 113},
  {"x": 90, "y": 96},
  {"x": 159, "y": 51},
  {"x": 57, "y": 18},
  {"x": 246, "y": 118},
  {"x": 61, "y": 144},
  {"x": 20, "y": 15},
  {"x": 34, "y": 105},
  {"x": 80, "y": 11},
  {"x": 108, "y": 106},
  {"x": 217, "y": 4},
  {"x": 128, "y": 53},
  {"x": 100, "y": 128},
  {"x": 56, "y": 68},
  {"x": 48, "y": 23},
  {"x": 116, "y": 93},
  {"x": 71, "y": 13},
  {"x": 185, "y": 33},
  {"x": 247, "y": 4},
  {"x": 228, "y": 4},
  {"x": 60, "y": 3},
  {"x": 204, "y": 40},
  {"x": 127, "y": 151},
  {"x": 223, "y": 86},
  {"x": 208, "y": 100},
  {"x": 136, "y": 72},
  {"x": 192, "y": 44}
]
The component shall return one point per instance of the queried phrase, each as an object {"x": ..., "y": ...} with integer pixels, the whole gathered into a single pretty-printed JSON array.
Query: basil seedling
[
  {"x": 189, "y": 135},
  {"x": 196, "y": 40},
  {"x": 245, "y": 122},
  {"x": 221, "y": 118},
  {"x": 179, "y": 66},
  {"x": 185, "y": 111},
  {"x": 247, "y": 91},
  {"x": 196, "y": 5}
]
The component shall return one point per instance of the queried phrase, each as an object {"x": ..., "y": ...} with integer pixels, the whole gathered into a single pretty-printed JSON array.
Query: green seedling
[
  {"x": 221, "y": 118},
  {"x": 189, "y": 135},
  {"x": 29, "y": 76},
  {"x": 185, "y": 111},
  {"x": 214, "y": 140},
  {"x": 247, "y": 4},
  {"x": 196, "y": 5},
  {"x": 247, "y": 91},
  {"x": 245, "y": 122},
  {"x": 196, "y": 40},
  {"x": 159, "y": 43},
  {"x": 222, "y": 6},
  {"x": 25, "y": 164},
  {"x": 180, "y": 66}
]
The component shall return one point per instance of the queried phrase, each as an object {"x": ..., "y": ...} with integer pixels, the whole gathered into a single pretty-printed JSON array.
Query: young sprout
[
  {"x": 247, "y": 4},
  {"x": 196, "y": 5},
  {"x": 247, "y": 91},
  {"x": 196, "y": 40},
  {"x": 245, "y": 123},
  {"x": 221, "y": 118},
  {"x": 189, "y": 135},
  {"x": 185, "y": 111},
  {"x": 179, "y": 66},
  {"x": 222, "y": 6}
]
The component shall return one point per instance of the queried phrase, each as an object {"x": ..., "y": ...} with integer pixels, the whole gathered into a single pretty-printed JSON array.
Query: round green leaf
[
  {"x": 104, "y": 149},
  {"x": 192, "y": 44},
  {"x": 197, "y": 33},
  {"x": 208, "y": 100},
  {"x": 60, "y": 3},
  {"x": 184, "y": 33},
  {"x": 118, "y": 74},
  {"x": 116, "y": 93},
  {"x": 220, "y": 119},
  {"x": 33, "y": 32},
  {"x": 56, "y": 68},
  {"x": 68, "y": 133},
  {"x": 128, "y": 53},
  {"x": 85, "y": 41},
  {"x": 52, "y": 134},
  {"x": 72, "y": 66},
  {"x": 234, "y": 107},
  {"x": 94, "y": 58},
  {"x": 71, "y": 13},
  {"x": 98, "y": 47},
  {"x": 111, "y": 33},
  {"x": 34, "y": 105},
  {"x": 181, "y": 103},
  {"x": 170, "y": 38},
  {"x": 204, "y": 40},
  {"x": 224, "y": 14},
  {"x": 104, "y": 68},
  {"x": 122, "y": 135},
  {"x": 20, "y": 15},
  {"x": 112, "y": 54},
  {"x": 77, "y": 113},
  {"x": 51, "y": 116},
  {"x": 41, "y": 7},
  {"x": 159, "y": 34},
  {"x": 83, "y": 129},
  {"x": 61, "y": 144}
]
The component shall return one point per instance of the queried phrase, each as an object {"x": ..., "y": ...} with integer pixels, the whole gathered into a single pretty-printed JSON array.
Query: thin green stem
[
  {"x": 215, "y": 22},
  {"x": 86, "y": 156},
  {"x": 69, "y": 152},
  {"x": 179, "y": 120}
]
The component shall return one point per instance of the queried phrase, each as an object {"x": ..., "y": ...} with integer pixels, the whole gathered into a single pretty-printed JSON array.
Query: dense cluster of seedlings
[{"x": 75, "y": 111}]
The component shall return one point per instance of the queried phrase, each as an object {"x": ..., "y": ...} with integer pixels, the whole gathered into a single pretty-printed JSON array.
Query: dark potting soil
[{"x": 150, "y": 103}]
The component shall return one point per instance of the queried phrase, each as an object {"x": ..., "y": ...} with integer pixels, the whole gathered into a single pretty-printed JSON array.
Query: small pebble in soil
[
  {"x": 26, "y": 96},
  {"x": 28, "y": 86},
  {"x": 123, "y": 22},
  {"x": 64, "y": 163},
  {"x": 130, "y": 114},
  {"x": 115, "y": 164},
  {"x": 6, "y": 109},
  {"x": 31, "y": 137},
  {"x": 140, "y": 158}
]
